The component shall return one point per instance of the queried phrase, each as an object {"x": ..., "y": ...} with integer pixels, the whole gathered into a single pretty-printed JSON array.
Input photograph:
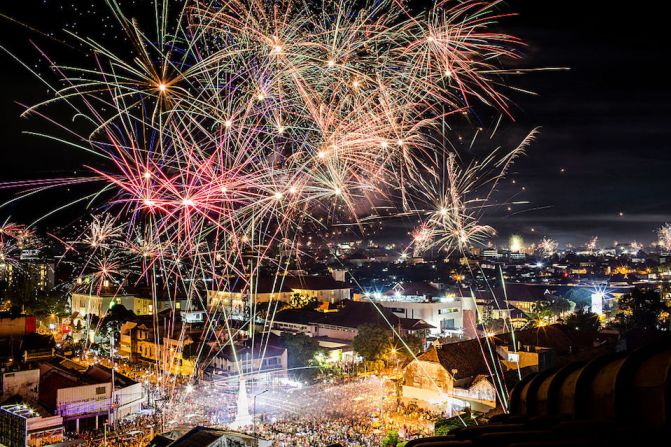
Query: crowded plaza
[{"x": 359, "y": 412}]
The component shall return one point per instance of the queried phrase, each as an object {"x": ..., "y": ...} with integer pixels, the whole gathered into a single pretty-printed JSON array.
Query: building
[
  {"x": 87, "y": 396},
  {"x": 26, "y": 349},
  {"x": 470, "y": 373},
  {"x": 33, "y": 271},
  {"x": 282, "y": 288},
  {"x": 26, "y": 424},
  {"x": 208, "y": 437},
  {"x": 84, "y": 303},
  {"x": 449, "y": 315},
  {"x": 25, "y": 384},
  {"x": 450, "y": 378},
  {"x": 16, "y": 324},
  {"x": 342, "y": 323},
  {"x": 172, "y": 345},
  {"x": 519, "y": 295},
  {"x": 265, "y": 363},
  {"x": 140, "y": 302}
]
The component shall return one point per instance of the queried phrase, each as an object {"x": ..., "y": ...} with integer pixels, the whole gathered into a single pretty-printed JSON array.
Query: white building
[
  {"x": 454, "y": 316},
  {"x": 87, "y": 395}
]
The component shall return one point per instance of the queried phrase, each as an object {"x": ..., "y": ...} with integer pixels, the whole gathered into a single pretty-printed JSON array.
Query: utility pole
[
  {"x": 111, "y": 411},
  {"x": 256, "y": 439}
]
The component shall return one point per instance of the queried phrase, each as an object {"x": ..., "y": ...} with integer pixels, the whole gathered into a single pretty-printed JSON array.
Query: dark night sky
[{"x": 605, "y": 122}]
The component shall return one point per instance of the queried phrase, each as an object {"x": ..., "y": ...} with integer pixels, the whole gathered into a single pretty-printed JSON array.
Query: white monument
[{"x": 242, "y": 416}]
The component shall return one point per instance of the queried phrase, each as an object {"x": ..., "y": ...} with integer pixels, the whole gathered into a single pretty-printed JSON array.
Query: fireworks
[
  {"x": 592, "y": 245},
  {"x": 251, "y": 119},
  {"x": 664, "y": 237},
  {"x": 548, "y": 247},
  {"x": 461, "y": 195},
  {"x": 234, "y": 127},
  {"x": 516, "y": 243}
]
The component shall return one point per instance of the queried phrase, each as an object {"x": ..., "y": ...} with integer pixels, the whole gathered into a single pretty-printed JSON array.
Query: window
[
  {"x": 447, "y": 324},
  {"x": 514, "y": 358},
  {"x": 447, "y": 310},
  {"x": 100, "y": 390},
  {"x": 178, "y": 305}
]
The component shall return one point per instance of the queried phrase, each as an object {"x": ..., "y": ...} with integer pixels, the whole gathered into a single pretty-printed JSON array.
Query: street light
[{"x": 254, "y": 414}]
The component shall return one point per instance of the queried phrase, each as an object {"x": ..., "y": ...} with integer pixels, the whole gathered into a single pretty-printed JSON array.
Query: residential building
[
  {"x": 145, "y": 340},
  {"x": 342, "y": 324},
  {"x": 450, "y": 378},
  {"x": 470, "y": 373},
  {"x": 265, "y": 363},
  {"x": 449, "y": 315},
  {"x": 25, "y": 384},
  {"x": 236, "y": 293}
]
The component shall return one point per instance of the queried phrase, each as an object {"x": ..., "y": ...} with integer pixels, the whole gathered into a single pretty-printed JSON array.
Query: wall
[
  {"x": 128, "y": 400},
  {"x": 337, "y": 332},
  {"x": 85, "y": 399},
  {"x": 428, "y": 375},
  {"x": 331, "y": 296},
  {"x": 22, "y": 325},
  {"x": 22, "y": 383}
]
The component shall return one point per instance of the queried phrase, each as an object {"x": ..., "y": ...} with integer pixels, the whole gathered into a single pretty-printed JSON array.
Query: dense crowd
[
  {"x": 355, "y": 414},
  {"x": 135, "y": 432},
  {"x": 358, "y": 413},
  {"x": 321, "y": 431}
]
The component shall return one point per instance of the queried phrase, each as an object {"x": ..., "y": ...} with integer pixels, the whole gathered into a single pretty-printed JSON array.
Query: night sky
[{"x": 605, "y": 122}]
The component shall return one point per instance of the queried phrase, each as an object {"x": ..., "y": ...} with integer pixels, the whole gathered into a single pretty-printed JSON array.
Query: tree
[
  {"x": 372, "y": 342},
  {"x": 550, "y": 308},
  {"x": 298, "y": 301},
  {"x": 443, "y": 427},
  {"x": 583, "y": 320},
  {"x": 267, "y": 309},
  {"x": 414, "y": 342},
  {"x": 391, "y": 440},
  {"x": 301, "y": 351},
  {"x": 643, "y": 310}
]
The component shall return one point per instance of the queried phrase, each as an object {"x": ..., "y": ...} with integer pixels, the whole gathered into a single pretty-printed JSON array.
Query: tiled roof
[
  {"x": 353, "y": 314},
  {"x": 466, "y": 357},
  {"x": 285, "y": 284}
]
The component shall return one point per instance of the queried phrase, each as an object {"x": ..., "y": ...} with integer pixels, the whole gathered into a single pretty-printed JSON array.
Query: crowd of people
[
  {"x": 320, "y": 431},
  {"x": 132, "y": 432},
  {"x": 358, "y": 413}
]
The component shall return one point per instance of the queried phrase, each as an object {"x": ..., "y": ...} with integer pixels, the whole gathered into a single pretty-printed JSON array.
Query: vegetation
[
  {"x": 583, "y": 320},
  {"x": 301, "y": 352},
  {"x": 443, "y": 427},
  {"x": 372, "y": 342},
  {"x": 392, "y": 440},
  {"x": 551, "y": 308},
  {"x": 298, "y": 301},
  {"x": 642, "y": 310}
]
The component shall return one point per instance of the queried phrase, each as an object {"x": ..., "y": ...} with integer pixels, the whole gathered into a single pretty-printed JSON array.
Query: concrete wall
[
  {"x": 82, "y": 400},
  {"x": 22, "y": 383},
  {"x": 22, "y": 325}
]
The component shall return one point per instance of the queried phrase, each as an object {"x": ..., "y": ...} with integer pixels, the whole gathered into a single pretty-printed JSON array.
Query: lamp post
[{"x": 254, "y": 415}]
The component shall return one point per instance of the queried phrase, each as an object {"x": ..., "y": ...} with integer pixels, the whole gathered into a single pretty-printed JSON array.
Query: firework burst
[
  {"x": 664, "y": 237},
  {"x": 234, "y": 126}
]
